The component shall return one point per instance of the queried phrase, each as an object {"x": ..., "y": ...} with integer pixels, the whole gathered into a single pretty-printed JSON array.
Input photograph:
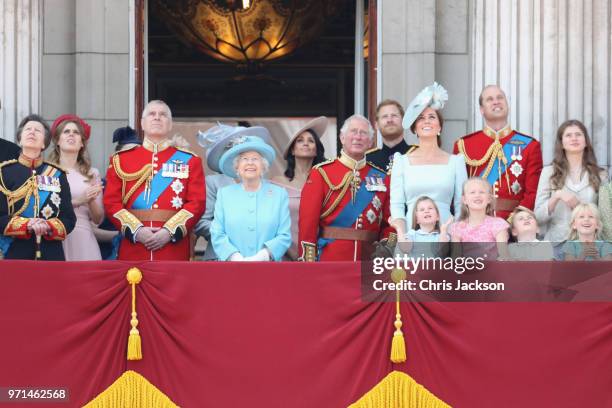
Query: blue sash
[
  {"x": 159, "y": 184},
  {"x": 351, "y": 211},
  {"x": 5, "y": 242},
  {"x": 522, "y": 141}
]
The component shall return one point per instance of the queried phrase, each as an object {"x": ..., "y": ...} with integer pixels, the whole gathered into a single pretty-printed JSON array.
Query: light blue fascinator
[{"x": 433, "y": 95}]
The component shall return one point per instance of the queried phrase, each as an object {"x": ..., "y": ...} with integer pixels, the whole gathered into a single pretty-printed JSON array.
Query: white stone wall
[
  {"x": 20, "y": 41},
  {"x": 552, "y": 57},
  {"x": 85, "y": 67}
]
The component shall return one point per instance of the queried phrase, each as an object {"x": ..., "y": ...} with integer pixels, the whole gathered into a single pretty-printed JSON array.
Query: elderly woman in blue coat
[{"x": 251, "y": 220}]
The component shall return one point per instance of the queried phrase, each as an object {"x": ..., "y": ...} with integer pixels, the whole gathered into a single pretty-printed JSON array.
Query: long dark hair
[
  {"x": 561, "y": 165},
  {"x": 320, "y": 156}
]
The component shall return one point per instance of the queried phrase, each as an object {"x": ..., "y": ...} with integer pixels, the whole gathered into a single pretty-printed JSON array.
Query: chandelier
[{"x": 246, "y": 32}]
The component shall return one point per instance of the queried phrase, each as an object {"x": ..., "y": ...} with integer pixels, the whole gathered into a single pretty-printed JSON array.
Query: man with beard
[{"x": 389, "y": 114}]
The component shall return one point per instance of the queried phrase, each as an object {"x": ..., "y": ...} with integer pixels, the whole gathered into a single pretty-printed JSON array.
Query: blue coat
[{"x": 245, "y": 222}]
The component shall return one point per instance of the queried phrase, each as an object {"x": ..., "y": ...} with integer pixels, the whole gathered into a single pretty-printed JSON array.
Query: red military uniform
[
  {"x": 155, "y": 185},
  {"x": 510, "y": 161},
  {"x": 333, "y": 226}
]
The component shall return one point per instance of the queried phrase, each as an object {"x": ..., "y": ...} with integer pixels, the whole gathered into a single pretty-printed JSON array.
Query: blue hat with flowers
[
  {"x": 433, "y": 95},
  {"x": 218, "y": 139},
  {"x": 245, "y": 144}
]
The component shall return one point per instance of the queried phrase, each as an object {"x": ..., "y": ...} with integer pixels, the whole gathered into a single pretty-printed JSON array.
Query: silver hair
[
  {"x": 145, "y": 111},
  {"x": 348, "y": 120},
  {"x": 264, "y": 161}
]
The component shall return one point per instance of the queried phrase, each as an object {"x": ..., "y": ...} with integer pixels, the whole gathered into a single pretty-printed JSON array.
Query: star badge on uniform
[
  {"x": 516, "y": 169},
  {"x": 516, "y": 187},
  {"x": 177, "y": 202},
  {"x": 55, "y": 199},
  {"x": 47, "y": 212},
  {"x": 376, "y": 202},
  {"x": 371, "y": 216},
  {"x": 177, "y": 186}
]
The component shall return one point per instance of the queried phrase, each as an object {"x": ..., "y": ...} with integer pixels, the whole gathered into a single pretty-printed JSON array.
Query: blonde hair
[
  {"x": 465, "y": 211},
  {"x": 419, "y": 200},
  {"x": 517, "y": 210},
  {"x": 577, "y": 210},
  {"x": 83, "y": 159}
]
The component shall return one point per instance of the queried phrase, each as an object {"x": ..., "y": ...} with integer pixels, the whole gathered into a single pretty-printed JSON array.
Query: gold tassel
[
  {"x": 399, "y": 390},
  {"x": 398, "y": 344},
  {"x": 131, "y": 390},
  {"x": 134, "y": 350}
]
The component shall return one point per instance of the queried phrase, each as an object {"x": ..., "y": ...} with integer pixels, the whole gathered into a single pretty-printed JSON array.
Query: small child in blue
[
  {"x": 426, "y": 234},
  {"x": 583, "y": 243}
]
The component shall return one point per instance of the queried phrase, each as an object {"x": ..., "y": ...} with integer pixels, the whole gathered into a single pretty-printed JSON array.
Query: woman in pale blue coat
[{"x": 251, "y": 220}]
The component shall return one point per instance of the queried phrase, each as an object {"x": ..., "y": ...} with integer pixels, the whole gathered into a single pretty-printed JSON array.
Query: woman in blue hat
[{"x": 251, "y": 219}]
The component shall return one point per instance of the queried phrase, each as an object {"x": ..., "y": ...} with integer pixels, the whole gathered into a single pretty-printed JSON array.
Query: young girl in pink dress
[{"x": 481, "y": 233}]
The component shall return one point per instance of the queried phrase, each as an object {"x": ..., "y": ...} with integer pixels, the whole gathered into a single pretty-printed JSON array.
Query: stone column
[
  {"x": 20, "y": 62},
  {"x": 552, "y": 57}
]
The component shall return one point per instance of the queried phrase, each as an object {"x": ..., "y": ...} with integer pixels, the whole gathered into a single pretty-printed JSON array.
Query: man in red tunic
[
  {"x": 345, "y": 202},
  {"x": 155, "y": 193},
  {"x": 510, "y": 161}
]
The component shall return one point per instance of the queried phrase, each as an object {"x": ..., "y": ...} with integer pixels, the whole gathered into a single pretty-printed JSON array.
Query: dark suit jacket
[{"x": 8, "y": 150}]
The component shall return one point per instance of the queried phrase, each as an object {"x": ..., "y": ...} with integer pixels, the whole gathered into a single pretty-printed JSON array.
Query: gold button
[
  {"x": 154, "y": 158},
  {"x": 155, "y": 206},
  {"x": 154, "y": 164},
  {"x": 154, "y": 171}
]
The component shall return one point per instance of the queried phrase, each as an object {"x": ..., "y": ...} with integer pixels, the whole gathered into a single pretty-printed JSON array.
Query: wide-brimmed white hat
[
  {"x": 433, "y": 95},
  {"x": 241, "y": 145},
  {"x": 317, "y": 125},
  {"x": 218, "y": 139}
]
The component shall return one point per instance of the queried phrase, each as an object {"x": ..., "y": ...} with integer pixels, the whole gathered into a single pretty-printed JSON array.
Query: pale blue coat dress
[
  {"x": 443, "y": 183},
  {"x": 246, "y": 221}
]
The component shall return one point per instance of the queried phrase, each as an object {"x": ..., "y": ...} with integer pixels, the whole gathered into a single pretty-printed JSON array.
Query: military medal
[
  {"x": 56, "y": 199},
  {"x": 177, "y": 202},
  {"x": 376, "y": 202},
  {"x": 177, "y": 186},
  {"x": 516, "y": 187},
  {"x": 175, "y": 169},
  {"x": 47, "y": 211},
  {"x": 375, "y": 184},
  {"x": 371, "y": 216},
  {"x": 48, "y": 183},
  {"x": 516, "y": 169}
]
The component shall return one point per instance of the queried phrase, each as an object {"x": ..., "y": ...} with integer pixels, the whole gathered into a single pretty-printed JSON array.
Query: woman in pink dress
[
  {"x": 70, "y": 135},
  {"x": 303, "y": 151}
]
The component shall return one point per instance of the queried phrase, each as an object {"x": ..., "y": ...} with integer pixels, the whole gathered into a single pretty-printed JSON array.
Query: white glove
[
  {"x": 262, "y": 256},
  {"x": 237, "y": 257}
]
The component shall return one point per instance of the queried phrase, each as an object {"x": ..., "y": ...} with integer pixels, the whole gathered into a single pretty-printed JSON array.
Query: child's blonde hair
[
  {"x": 419, "y": 200},
  {"x": 577, "y": 210},
  {"x": 517, "y": 210},
  {"x": 465, "y": 212}
]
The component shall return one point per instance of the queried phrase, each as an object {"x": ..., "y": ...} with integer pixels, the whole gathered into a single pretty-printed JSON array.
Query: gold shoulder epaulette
[
  {"x": 412, "y": 149},
  {"x": 316, "y": 166},
  {"x": 57, "y": 166},
  {"x": 182, "y": 149},
  {"x": 7, "y": 162},
  {"x": 126, "y": 150},
  {"x": 372, "y": 150},
  {"x": 376, "y": 167}
]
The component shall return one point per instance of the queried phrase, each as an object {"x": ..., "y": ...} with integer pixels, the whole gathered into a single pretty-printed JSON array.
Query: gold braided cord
[
  {"x": 494, "y": 152},
  {"x": 25, "y": 191},
  {"x": 344, "y": 185},
  {"x": 141, "y": 176}
]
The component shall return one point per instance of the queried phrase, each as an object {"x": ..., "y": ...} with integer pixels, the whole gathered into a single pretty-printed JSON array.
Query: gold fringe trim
[
  {"x": 131, "y": 390},
  {"x": 134, "y": 349},
  {"x": 399, "y": 390}
]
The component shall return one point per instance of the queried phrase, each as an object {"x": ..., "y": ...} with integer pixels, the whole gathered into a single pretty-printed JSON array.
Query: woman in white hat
[
  {"x": 217, "y": 140},
  {"x": 251, "y": 220},
  {"x": 303, "y": 151},
  {"x": 427, "y": 170}
]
